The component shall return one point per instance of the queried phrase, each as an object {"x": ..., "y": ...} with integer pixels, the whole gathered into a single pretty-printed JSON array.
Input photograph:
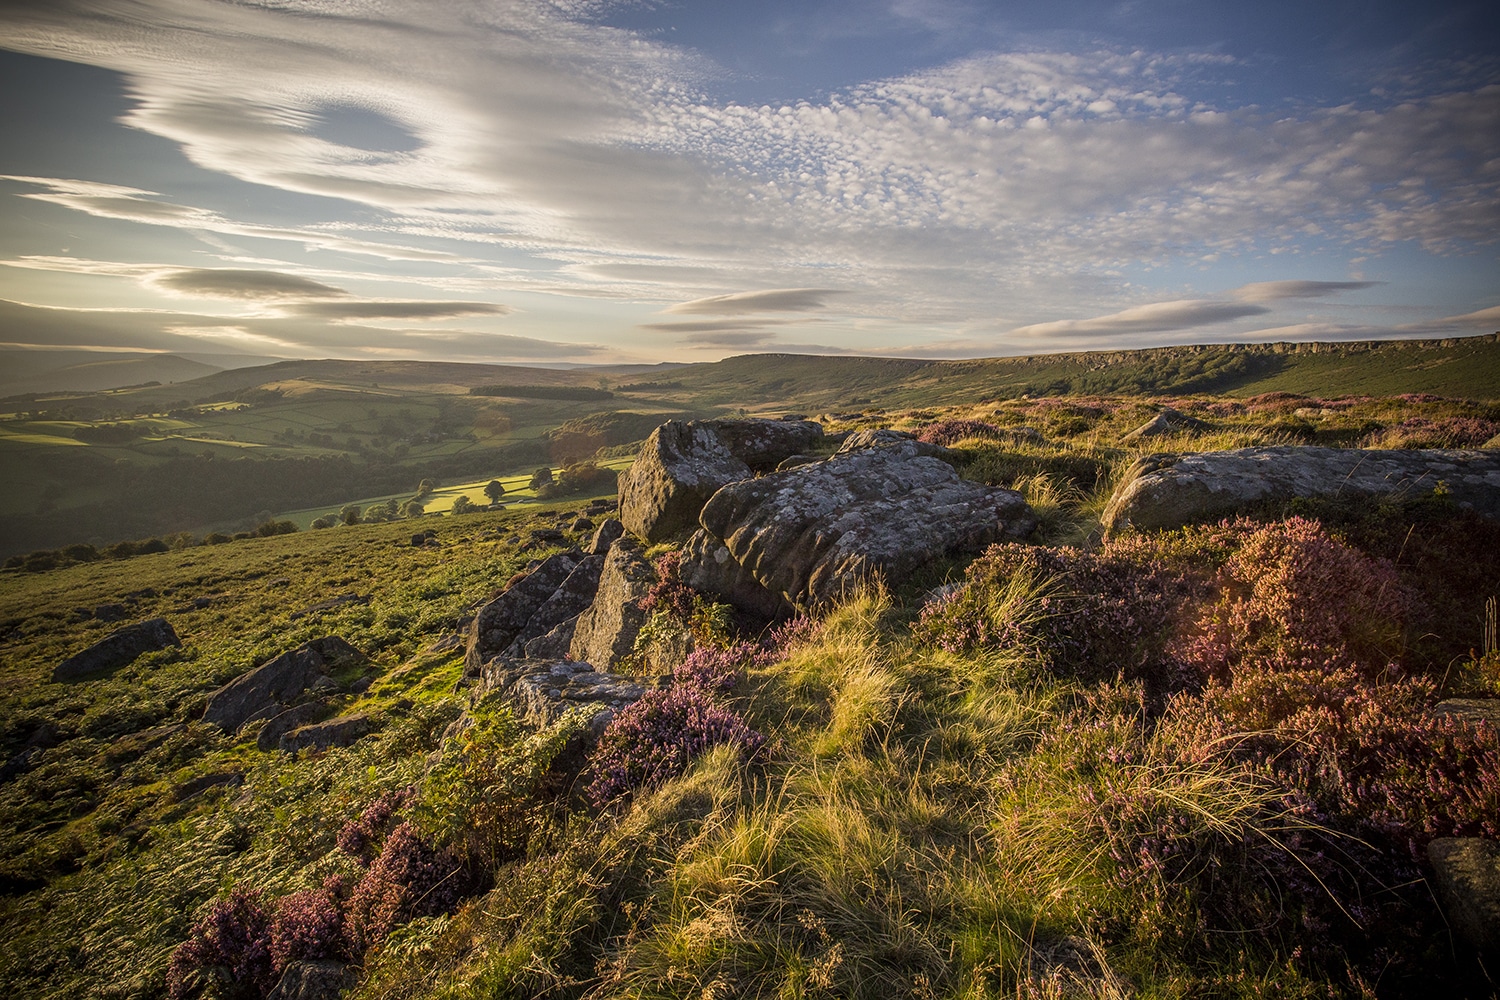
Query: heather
[{"x": 1192, "y": 763}]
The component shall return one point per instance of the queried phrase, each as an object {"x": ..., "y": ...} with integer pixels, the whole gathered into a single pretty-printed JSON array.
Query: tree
[
  {"x": 541, "y": 477},
  {"x": 463, "y": 505},
  {"x": 413, "y": 508},
  {"x": 494, "y": 491},
  {"x": 349, "y": 513},
  {"x": 425, "y": 487}
]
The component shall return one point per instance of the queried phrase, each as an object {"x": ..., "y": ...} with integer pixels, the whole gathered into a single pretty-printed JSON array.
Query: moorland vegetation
[{"x": 1194, "y": 763}]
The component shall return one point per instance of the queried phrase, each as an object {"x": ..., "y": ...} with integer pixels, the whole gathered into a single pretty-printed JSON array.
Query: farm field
[{"x": 913, "y": 806}]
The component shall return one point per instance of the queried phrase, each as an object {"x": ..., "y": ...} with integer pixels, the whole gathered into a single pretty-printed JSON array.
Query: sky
[{"x": 607, "y": 181}]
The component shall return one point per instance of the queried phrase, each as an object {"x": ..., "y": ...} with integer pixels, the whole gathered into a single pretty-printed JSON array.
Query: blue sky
[{"x": 595, "y": 181}]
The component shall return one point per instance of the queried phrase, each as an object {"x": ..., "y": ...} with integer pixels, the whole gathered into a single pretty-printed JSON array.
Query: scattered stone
[
  {"x": 1471, "y": 711},
  {"x": 1168, "y": 491},
  {"x": 816, "y": 533},
  {"x": 1021, "y": 435},
  {"x": 542, "y": 537},
  {"x": 117, "y": 649},
  {"x": 322, "y": 979},
  {"x": 607, "y": 534},
  {"x": 111, "y": 612},
  {"x": 884, "y": 437},
  {"x": 582, "y": 524},
  {"x": 343, "y": 731},
  {"x": 330, "y": 604},
  {"x": 606, "y": 632},
  {"x": 277, "y": 726},
  {"x": 1493, "y": 442},
  {"x": 543, "y": 690},
  {"x": 1168, "y": 421},
  {"x": 202, "y": 783},
  {"x": 445, "y": 643},
  {"x": 268, "y": 690},
  {"x": 1467, "y": 871},
  {"x": 499, "y": 622},
  {"x": 796, "y": 460},
  {"x": 708, "y": 567},
  {"x": 570, "y": 598}
]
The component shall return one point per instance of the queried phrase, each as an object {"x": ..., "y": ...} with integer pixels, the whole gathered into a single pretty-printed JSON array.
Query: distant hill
[{"x": 93, "y": 371}]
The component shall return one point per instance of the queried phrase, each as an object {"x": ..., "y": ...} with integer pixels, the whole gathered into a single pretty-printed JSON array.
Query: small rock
[
  {"x": 323, "y": 979},
  {"x": 265, "y": 691},
  {"x": 582, "y": 524},
  {"x": 343, "y": 731},
  {"x": 1467, "y": 871},
  {"x": 111, "y": 612},
  {"x": 1168, "y": 421},
  {"x": 117, "y": 649},
  {"x": 1472, "y": 711},
  {"x": 607, "y": 534},
  {"x": 277, "y": 726},
  {"x": 884, "y": 437},
  {"x": 330, "y": 604},
  {"x": 202, "y": 783}
]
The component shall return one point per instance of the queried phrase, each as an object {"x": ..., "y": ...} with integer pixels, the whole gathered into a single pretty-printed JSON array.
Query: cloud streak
[
  {"x": 1158, "y": 317},
  {"x": 232, "y": 283}
]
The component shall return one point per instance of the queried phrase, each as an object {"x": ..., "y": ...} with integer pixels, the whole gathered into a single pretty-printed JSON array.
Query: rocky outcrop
[
  {"x": 708, "y": 568},
  {"x": 542, "y": 690},
  {"x": 606, "y": 632},
  {"x": 571, "y": 597},
  {"x": 270, "y": 688},
  {"x": 343, "y": 731},
  {"x": 1168, "y": 421},
  {"x": 682, "y": 464},
  {"x": 1467, "y": 872},
  {"x": 117, "y": 649},
  {"x": 814, "y": 533},
  {"x": 555, "y": 644},
  {"x": 884, "y": 437},
  {"x": 1168, "y": 491},
  {"x": 498, "y": 623},
  {"x": 269, "y": 737},
  {"x": 606, "y": 535}
]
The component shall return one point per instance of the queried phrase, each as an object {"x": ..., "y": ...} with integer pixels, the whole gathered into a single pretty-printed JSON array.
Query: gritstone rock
[
  {"x": 708, "y": 568},
  {"x": 343, "y": 731},
  {"x": 606, "y": 535},
  {"x": 499, "y": 622},
  {"x": 815, "y": 533},
  {"x": 1169, "y": 491},
  {"x": 1168, "y": 421},
  {"x": 1467, "y": 871},
  {"x": 267, "y": 690},
  {"x": 542, "y": 690},
  {"x": 571, "y": 597},
  {"x": 117, "y": 649},
  {"x": 682, "y": 464},
  {"x": 884, "y": 437},
  {"x": 606, "y": 632}
]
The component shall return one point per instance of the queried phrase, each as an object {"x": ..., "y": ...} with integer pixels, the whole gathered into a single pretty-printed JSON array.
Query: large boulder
[
  {"x": 817, "y": 532},
  {"x": 708, "y": 568},
  {"x": 117, "y": 649},
  {"x": 498, "y": 623},
  {"x": 683, "y": 463},
  {"x": 571, "y": 597},
  {"x": 1168, "y": 491},
  {"x": 1467, "y": 871},
  {"x": 270, "y": 688},
  {"x": 605, "y": 633}
]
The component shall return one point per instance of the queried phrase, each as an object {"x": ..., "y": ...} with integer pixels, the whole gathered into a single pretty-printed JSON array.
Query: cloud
[
  {"x": 1158, "y": 317},
  {"x": 231, "y": 283},
  {"x": 713, "y": 325},
  {"x": 727, "y": 338},
  {"x": 342, "y": 311},
  {"x": 1276, "y": 291},
  {"x": 769, "y": 300}
]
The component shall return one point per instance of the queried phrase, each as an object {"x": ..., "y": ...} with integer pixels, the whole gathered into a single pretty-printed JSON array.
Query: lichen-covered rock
[
  {"x": 542, "y": 690},
  {"x": 815, "y": 533},
  {"x": 321, "y": 979},
  {"x": 269, "y": 737},
  {"x": 117, "y": 649},
  {"x": 1467, "y": 871},
  {"x": 270, "y": 688},
  {"x": 678, "y": 469},
  {"x": 571, "y": 597},
  {"x": 708, "y": 568},
  {"x": 682, "y": 464},
  {"x": 1168, "y": 421},
  {"x": 606, "y": 631},
  {"x": 884, "y": 437},
  {"x": 606, "y": 535},
  {"x": 555, "y": 644},
  {"x": 343, "y": 731},
  {"x": 499, "y": 622},
  {"x": 1168, "y": 491}
]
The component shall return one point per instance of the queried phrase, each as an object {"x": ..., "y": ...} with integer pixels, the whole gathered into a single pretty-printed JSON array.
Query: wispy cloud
[
  {"x": 405, "y": 310},
  {"x": 231, "y": 283},
  {"x": 1158, "y": 317},
  {"x": 769, "y": 300},
  {"x": 1279, "y": 291}
]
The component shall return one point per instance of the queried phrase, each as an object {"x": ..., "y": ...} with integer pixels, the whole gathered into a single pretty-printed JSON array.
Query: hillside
[
  {"x": 1088, "y": 770},
  {"x": 92, "y": 371}
]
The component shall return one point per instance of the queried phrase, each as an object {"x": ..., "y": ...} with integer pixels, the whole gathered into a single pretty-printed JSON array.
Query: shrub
[
  {"x": 231, "y": 943},
  {"x": 410, "y": 878},
  {"x": 659, "y": 736},
  {"x": 1292, "y": 597},
  {"x": 947, "y": 432},
  {"x": 361, "y": 836},
  {"x": 310, "y": 925}
]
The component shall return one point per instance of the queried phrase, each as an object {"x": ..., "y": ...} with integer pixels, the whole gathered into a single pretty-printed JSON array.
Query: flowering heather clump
[
  {"x": 1275, "y": 402},
  {"x": 1075, "y": 613},
  {"x": 1293, "y": 597},
  {"x": 717, "y": 670},
  {"x": 233, "y": 940},
  {"x": 669, "y": 594},
  {"x": 946, "y": 432},
  {"x": 410, "y": 878},
  {"x": 659, "y": 736},
  {"x": 794, "y": 631},
  {"x": 361, "y": 836},
  {"x": 1445, "y": 432},
  {"x": 310, "y": 925}
]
